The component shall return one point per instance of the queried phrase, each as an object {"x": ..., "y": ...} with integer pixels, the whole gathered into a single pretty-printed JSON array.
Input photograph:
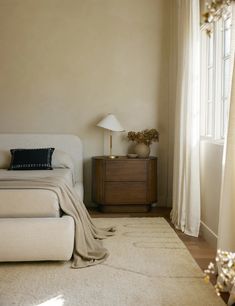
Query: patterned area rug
[{"x": 148, "y": 266}]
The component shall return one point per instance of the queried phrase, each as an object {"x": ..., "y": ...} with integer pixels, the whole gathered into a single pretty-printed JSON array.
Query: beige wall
[
  {"x": 65, "y": 64},
  {"x": 203, "y": 6},
  {"x": 211, "y": 172}
]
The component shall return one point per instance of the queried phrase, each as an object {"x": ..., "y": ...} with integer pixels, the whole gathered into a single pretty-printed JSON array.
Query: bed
[{"x": 32, "y": 225}]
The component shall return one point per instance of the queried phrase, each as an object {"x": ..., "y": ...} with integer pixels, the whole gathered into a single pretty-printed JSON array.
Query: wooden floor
[{"x": 200, "y": 250}]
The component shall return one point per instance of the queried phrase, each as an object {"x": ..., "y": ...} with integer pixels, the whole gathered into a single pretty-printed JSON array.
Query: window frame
[{"x": 218, "y": 106}]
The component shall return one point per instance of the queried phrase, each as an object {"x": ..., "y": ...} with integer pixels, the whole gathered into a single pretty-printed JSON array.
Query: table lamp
[{"x": 111, "y": 123}]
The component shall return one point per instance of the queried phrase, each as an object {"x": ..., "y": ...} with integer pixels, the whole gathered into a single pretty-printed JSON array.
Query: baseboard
[{"x": 208, "y": 235}]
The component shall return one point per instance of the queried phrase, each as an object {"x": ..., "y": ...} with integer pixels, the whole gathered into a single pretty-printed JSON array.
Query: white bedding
[
  {"x": 66, "y": 173},
  {"x": 34, "y": 203}
]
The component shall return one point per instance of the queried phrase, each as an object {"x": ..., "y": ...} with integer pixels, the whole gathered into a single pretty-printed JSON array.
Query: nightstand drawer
[
  {"x": 124, "y": 184},
  {"x": 125, "y": 193},
  {"x": 134, "y": 170}
]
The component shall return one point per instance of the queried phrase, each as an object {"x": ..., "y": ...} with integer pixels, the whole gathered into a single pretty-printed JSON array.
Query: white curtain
[
  {"x": 226, "y": 237},
  {"x": 185, "y": 214},
  {"x": 226, "y": 233}
]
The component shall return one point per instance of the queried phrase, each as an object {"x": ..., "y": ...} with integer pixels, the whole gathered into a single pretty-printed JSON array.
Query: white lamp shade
[{"x": 111, "y": 123}]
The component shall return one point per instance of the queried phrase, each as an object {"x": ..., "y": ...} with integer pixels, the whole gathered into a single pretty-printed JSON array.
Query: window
[
  {"x": 215, "y": 79},
  {"x": 226, "y": 36}
]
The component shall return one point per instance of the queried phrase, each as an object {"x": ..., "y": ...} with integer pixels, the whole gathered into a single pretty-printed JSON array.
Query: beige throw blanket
[{"x": 88, "y": 249}]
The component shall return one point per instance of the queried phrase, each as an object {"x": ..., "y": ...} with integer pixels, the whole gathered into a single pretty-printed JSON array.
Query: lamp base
[{"x": 113, "y": 156}]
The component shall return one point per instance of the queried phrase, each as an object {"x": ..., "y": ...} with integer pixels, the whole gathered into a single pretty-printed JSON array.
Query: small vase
[{"x": 142, "y": 150}]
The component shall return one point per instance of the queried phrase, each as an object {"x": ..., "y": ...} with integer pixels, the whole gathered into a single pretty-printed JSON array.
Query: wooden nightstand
[{"x": 124, "y": 184}]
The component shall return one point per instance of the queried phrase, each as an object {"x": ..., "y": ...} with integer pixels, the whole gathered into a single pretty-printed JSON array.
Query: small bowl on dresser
[{"x": 132, "y": 155}]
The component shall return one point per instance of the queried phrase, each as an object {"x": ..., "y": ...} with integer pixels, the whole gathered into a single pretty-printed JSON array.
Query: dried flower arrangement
[
  {"x": 147, "y": 136},
  {"x": 215, "y": 10},
  {"x": 225, "y": 264}
]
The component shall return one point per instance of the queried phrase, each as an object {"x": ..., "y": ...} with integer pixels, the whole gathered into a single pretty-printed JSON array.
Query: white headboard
[{"x": 70, "y": 144}]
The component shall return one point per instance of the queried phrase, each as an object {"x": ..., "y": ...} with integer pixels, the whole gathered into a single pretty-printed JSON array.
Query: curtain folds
[
  {"x": 226, "y": 233},
  {"x": 226, "y": 237},
  {"x": 185, "y": 213}
]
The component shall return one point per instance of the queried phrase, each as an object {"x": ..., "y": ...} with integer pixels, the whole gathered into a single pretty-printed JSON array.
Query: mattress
[{"x": 34, "y": 203}]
